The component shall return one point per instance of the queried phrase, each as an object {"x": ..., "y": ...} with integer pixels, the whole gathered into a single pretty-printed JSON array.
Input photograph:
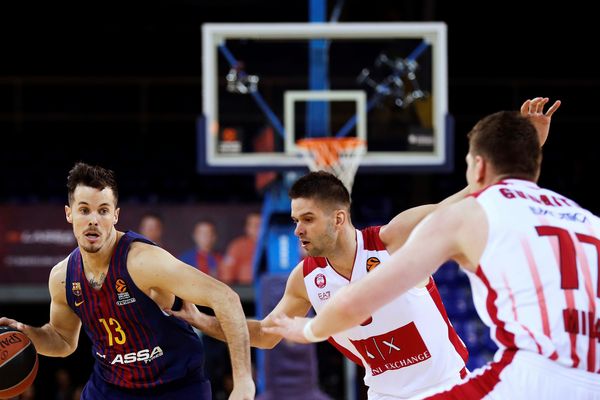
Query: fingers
[
  {"x": 525, "y": 107},
  {"x": 279, "y": 324},
  {"x": 11, "y": 322},
  {"x": 553, "y": 108},
  {"x": 536, "y": 106}
]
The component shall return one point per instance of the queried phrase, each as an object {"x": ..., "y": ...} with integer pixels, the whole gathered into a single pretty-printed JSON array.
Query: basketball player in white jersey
[
  {"x": 407, "y": 347},
  {"x": 532, "y": 256}
]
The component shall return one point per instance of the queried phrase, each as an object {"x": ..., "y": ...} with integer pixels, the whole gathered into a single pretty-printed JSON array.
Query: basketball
[{"x": 18, "y": 362}]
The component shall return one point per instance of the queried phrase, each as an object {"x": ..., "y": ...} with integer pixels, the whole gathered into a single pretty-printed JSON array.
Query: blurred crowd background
[{"x": 119, "y": 84}]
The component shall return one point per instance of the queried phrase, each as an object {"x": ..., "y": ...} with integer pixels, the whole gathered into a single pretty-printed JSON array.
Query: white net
[{"x": 339, "y": 156}]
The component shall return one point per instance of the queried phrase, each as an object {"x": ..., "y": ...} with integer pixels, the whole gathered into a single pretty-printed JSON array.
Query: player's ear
[
  {"x": 481, "y": 169},
  {"x": 340, "y": 217},
  {"x": 116, "y": 219},
  {"x": 68, "y": 214}
]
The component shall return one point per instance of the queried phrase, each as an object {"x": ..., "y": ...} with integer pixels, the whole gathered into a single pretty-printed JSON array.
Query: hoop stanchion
[{"x": 338, "y": 155}]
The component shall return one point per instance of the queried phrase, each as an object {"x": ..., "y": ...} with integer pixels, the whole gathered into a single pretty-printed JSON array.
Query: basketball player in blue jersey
[{"x": 116, "y": 284}]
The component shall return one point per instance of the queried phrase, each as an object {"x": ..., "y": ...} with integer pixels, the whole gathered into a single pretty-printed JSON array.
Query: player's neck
[
  {"x": 344, "y": 254},
  {"x": 98, "y": 262}
]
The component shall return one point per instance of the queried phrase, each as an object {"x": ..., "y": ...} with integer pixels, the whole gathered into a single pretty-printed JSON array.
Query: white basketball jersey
[
  {"x": 408, "y": 345},
  {"x": 537, "y": 282}
]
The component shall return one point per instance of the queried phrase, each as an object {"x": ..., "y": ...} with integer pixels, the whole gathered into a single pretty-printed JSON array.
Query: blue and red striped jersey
[{"x": 135, "y": 344}]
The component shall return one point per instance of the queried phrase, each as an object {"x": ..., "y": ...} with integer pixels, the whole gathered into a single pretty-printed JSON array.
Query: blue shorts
[{"x": 186, "y": 389}]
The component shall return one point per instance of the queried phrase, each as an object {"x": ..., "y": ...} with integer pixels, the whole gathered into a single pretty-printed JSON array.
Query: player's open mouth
[{"x": 92, "y": 236}]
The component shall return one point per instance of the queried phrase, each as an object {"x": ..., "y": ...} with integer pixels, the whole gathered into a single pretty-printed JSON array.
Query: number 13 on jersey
[{"x": 114, "y": 331}]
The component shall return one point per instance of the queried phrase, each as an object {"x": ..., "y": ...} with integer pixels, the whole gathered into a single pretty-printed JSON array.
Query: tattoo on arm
[{"x": 97, "y": 284}]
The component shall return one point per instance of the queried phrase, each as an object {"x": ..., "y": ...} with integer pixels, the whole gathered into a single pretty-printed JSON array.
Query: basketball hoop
[{"x": 339, "y": 156}]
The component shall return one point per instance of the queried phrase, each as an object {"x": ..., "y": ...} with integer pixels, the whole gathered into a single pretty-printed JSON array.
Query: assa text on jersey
[{"x": 142, "y": 355}]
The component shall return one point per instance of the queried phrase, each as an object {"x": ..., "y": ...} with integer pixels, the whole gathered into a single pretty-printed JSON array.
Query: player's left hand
[{"x": 289, "y": 328}]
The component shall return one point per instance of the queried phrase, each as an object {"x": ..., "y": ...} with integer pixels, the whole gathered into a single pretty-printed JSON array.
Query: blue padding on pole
[
  {"x": 317, "y": 112},
  {"x": 283, "y": 253}
]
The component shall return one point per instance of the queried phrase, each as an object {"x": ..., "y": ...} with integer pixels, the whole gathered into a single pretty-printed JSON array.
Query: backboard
[{"x": 265, "y": 86}]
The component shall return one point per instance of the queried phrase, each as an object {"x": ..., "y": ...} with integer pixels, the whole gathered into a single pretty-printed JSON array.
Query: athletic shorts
[
  {"x": 186, "y": 389},
  {"x": 373, "y": 395},
  {"x": 524, "y": 375}
]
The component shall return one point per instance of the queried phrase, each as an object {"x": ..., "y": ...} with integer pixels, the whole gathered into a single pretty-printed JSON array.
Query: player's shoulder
[
  {"x": 373, "y": 238},
  {"x": 138, "y": 248},
  {"x": 58, "y": 277},
  {"x": 59, "y": 271},
  {"x": 309, "y": 264}
]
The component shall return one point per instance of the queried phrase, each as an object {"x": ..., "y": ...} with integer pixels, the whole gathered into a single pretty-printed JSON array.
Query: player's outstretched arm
[
  {"x": 396, "y": 232},
  {"x": 294, "y": 302},
  {"x": 534, "y": 110},
  {"x": 154, "y": 268},
  {"x": 454, "y": 232},
  {"x": 59, "y": 337}
]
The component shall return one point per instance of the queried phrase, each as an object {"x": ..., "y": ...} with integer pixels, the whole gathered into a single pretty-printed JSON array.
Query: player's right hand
[
  {"x": 534, "y": 110},
  {"x": 12, "y": 323},
  {"x": 243, "y": 390}
]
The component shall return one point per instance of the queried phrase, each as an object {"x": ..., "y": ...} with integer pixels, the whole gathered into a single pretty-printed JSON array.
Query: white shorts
[
  {"x": 372, "y": 395},
  {"x": 524, "y": 375}
]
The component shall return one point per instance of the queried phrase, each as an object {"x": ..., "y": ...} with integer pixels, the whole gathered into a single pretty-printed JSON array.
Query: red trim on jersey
[
  {"x": 589, "y": 289},
  {"x": 569, "y": 299},
  {"x": 478, "y": 386},
  {"x": 505, "y": 337},
  {"x": 479, "y": 192},
  {"x": 513, "y": 304},
  {"x": 539, "y": 290},
  {"x": 312, "y": 263},
  {"x": 458, "y": 344},
  {"x": 371, "y": 239},
  {"x": 132, "y": 374},
  {"x": 347, "y": 353},
  {"x": 499, "y": 183}
]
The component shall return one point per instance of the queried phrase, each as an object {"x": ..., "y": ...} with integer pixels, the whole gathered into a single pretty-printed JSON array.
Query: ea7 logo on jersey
[
  {"x": 324, "y": 295},
  {"x": 142, "y": 355}
]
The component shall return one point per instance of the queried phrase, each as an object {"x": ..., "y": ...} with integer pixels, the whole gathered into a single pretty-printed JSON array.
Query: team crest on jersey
[
  {"x": 320, "y": 281},
  {"x": 76, "y": 289},
  {"x": 372, "y": 262},
  {"x": 122, "y": 293}
]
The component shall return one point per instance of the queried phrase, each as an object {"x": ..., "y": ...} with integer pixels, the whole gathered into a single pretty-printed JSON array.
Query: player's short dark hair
[
  {"x": 510, "y": 142},
  {"x": 92, "y": 176},
  {"x": 322, "y": 186}
]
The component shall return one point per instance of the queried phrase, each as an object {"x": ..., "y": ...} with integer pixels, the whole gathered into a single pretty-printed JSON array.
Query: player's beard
[
  {"x": 91, "y": 248},
  {"x": 322, "y": 245}
]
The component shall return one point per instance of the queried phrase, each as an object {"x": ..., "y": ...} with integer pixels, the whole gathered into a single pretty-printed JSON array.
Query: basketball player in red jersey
[
  {"x": 532, "y": 258},
  {"x": 116, "y": 284},
  {"x": 431, "y": 354}
]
